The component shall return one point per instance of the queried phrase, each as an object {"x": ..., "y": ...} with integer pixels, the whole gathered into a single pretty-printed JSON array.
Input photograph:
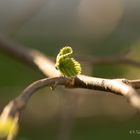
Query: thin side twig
[{"x": 110, "y": 60}]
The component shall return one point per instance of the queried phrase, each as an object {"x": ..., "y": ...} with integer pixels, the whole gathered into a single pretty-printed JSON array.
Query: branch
[
  {"x": 110, "y": 60},
  {"x": 31, "y": 57},
  {"x": 115, "y": 86},
  {"x": 134, "y": 83},
  {"x": 42, "y": 63}
]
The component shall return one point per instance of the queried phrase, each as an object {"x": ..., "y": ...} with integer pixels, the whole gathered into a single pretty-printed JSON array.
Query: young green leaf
[{"x": 66, "y": 65}]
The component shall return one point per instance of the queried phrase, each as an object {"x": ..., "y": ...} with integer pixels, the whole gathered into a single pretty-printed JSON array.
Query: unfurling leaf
[{"x": 66, "y": 65}]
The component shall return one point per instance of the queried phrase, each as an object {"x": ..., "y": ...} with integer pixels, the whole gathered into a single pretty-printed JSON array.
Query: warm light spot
[{"x": 100, "y": 17}]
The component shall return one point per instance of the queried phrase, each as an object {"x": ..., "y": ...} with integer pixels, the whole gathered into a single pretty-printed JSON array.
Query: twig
[
  {"x": 42, "y": 63},
  {"x": 31, "y": 57},
  {"x": 115, "y": 86},
  {"x": 134, "y": 83},
  {"x": 110, "y": 60}
]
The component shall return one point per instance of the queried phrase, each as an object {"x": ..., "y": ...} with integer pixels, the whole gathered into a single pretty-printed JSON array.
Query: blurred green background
[{"x": 91, "y": 28}]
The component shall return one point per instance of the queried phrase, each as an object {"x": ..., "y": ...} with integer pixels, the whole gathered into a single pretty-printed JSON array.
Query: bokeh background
[{"x": 92, "y": 28}]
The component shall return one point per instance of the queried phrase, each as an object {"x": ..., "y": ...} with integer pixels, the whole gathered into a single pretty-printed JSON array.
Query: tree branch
[
  {"x": 110, "y": 60},
  {"x": 115, "y": 86},
  {"x": 42, "y": 63},
  {"x": 31, "y": 57}
]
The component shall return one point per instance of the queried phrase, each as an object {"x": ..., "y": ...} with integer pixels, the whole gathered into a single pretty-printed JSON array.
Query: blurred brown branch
[
  {"x": 109, "y": 60},
  {"x": 31, "y": 57}
]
